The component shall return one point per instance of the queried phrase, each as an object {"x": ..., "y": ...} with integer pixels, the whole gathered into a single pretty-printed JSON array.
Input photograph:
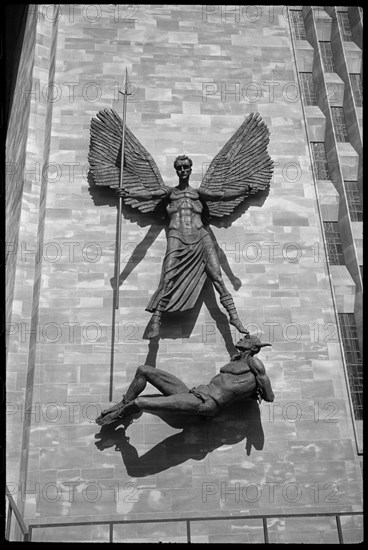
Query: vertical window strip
[
  {"x": 354, "y": 202},
  {"x": 353, "y": 361},
  {"x": 344, "y": 25},
  {"x": 334, "y": 246},
  {"x": 327, "y": 57},
  {"x": 297, "y": 23},
  {"x": 308, "y": 88},
  {"x": 357, "y": 87},
  {"x": 338, "y": 119},
  {"x": 320, "y": 160}
]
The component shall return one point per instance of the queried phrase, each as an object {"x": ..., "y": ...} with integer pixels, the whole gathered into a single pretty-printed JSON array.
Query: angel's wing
[
  {"x": 140, "y": 170},
  {"x": 243, "y": 160}
]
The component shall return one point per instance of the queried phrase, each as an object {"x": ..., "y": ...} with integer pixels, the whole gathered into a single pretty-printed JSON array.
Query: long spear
[{"x": 118, "y": 230}]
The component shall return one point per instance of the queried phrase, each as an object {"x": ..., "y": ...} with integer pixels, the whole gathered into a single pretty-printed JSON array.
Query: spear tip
[{"x": 126, "y": 80}]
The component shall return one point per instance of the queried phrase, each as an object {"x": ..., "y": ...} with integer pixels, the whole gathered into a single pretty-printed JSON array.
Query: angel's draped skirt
[{"x": 183, "y": 272}]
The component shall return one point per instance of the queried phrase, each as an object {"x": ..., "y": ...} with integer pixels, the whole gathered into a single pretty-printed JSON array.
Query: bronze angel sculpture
[{"x": 241, "y": 168}]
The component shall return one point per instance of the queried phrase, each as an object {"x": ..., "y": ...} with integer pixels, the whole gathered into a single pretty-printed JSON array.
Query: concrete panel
[
  {"x": 328, "y": 200},
  {"x": 357, "y": 229},
  {"x": 316, "y": 122},
  {"x": 335, "y": 89},
  {"x": 323, "y": 23},
  {"x": 353, "y": 56},
  {"x": 344, "y": 288},
  {"x": 349, "y": 161},
  {"x": 304, "y": 54}
]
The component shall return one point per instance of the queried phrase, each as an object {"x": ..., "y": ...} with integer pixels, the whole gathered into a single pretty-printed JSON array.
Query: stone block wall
[{"x": 16, "y": 147}]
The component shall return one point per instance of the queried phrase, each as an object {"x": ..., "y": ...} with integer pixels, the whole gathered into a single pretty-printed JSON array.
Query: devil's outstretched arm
[{"x": 263, "y": 382}]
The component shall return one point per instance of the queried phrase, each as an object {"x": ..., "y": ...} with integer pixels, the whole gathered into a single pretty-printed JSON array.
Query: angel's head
[{"x": 183, "y": 166}]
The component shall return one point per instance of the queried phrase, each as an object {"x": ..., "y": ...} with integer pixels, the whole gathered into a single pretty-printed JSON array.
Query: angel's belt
[{"x": 188, "y": 238}]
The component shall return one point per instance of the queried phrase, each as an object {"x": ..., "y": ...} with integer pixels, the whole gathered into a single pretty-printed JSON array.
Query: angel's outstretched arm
[
  {"x": 227, "y": 195},
  {"x": 142, "y": 194}
]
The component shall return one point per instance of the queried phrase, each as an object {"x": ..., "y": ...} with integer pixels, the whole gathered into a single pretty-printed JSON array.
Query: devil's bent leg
[
  {"x": 166, "y": 383},
  {"x": 181, "y": 403},
  {"x": 186, "y": 403},
  {"x": 136, "y": 387}
]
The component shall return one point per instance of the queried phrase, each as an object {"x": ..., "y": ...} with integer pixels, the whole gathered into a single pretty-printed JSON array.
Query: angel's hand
[
  {"x": 120, "y": 191},
  {"x": 236, "y": 283}
]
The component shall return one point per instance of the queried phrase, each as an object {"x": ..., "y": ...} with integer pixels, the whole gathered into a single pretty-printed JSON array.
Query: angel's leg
[
  {"x": 155, "y": 322},
  {"x": 168, "y": 263},
  {"x": 213, "y": 271}
]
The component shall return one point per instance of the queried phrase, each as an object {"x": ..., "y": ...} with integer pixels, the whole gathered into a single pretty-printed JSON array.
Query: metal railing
[
  {"x": 12, "y": 508},
  {"x": 188, "y": 522},
  {"x": 27, "y": 532}
]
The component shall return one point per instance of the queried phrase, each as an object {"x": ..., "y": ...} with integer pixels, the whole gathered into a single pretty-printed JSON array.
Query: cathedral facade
[{"x": 293, "y": 263}]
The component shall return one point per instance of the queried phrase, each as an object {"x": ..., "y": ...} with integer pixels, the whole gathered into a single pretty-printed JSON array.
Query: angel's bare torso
[{"x": 185, "y": 210}]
